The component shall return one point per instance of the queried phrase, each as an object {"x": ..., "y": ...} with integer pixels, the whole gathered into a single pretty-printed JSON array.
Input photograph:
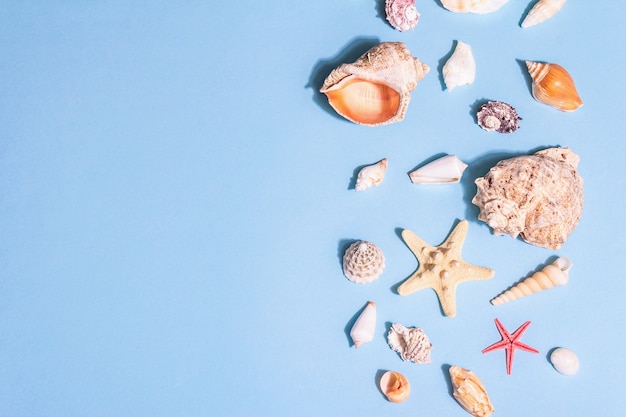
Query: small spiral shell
[{"x": 550, "y": 276}]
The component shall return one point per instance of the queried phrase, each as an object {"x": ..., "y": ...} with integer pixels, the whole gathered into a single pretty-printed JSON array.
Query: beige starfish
[{"x": 441, "y": 267}]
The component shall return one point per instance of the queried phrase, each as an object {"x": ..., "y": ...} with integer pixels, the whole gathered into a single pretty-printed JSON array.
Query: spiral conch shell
[
  {"x": 460, "y": 69},
  {"x": 402, "y": 14},
  {"x": 473, "y": 6},
  {"x": 538, "y": 197},
  {"x": 395, "y": 386},
  {"x": 364, "y": 326},
  {"x": 554, "y": 86},
  {"x": 542, "y": 11},
  {"x": 550, "y": 276},
  {"x": 371, "y": 175},
  {"x": 375, "y": 89},
  {"x": 470, "y": 392},
  {"x": 363, "y": 262},
  {"x": 411, "y": 343}
]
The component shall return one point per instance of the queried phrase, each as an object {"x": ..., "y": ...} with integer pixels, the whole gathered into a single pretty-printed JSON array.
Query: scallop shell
[
  {"x": 363, "y": 329},
  {"x": 411, "y": 343},
  {"x": 375, "y": 89},
  {"x": 498, "y": 116},
  {"x": 460, "y": 69},
  {"x": 395, "y": 386},
  {"x": 363, "y": 262},
  {"x": 371, "y": 175},
  {"x": 565, "y": 361},
  {"x": 470, "y": 392},
  {"x": 445, "y": 170},
  {"x": 402, "y": 14},
  {"x": 473, "y": 6},
  {"x": 554, "y": 86},
  {"x": 542, "y": 11},
  {"x": 550, "y": 276},
  {"x": 538, "y": 197}
]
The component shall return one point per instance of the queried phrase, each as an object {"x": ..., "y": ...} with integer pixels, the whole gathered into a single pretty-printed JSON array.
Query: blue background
[{"x": 176, "y": 195}]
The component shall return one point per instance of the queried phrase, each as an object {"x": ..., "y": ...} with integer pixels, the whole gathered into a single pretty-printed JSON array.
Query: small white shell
[
  {"x": 364, "y": 326},
  {"x": 445, "y": 170},
  {"x": 565, "y": 361},
  {"x": 542, "y": 11},
  {"x": 460, "y": 69},
  {"x": 473, "y": 6},
  {"x": 410, "y": 342},
  {"x": 371, "y": 175},
  {"x": 363, "y": 262}
]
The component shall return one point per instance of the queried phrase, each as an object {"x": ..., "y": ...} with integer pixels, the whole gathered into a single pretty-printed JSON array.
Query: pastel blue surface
[{"x": 176, "y": 195}]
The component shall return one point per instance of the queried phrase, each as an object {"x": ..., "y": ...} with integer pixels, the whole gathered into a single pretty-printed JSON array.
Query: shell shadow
[
  {"x": 442, "y": 61},
  {"x": 526, "y": 10},
  {"x": 342, "y": 246},
  {"x": 475, "y": 106},
  {"x": 348, "y": 326},
  {"x": 549, "y": 354},
  {"x": 527, "y": 78},
  {"x": 349, "y": 53},
  {"x": 381, "y": 13},
  {"x": 445, "y": 369},
  {"x": 377, "y": 378}
]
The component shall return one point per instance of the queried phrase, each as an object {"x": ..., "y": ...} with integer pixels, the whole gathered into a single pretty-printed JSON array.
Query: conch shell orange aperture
[{"x": 375, "y": 89}]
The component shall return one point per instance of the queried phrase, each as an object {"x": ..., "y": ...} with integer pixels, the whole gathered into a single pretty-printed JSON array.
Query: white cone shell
[
  {"x": 364, "y": 326},
  {"x": 460, "y": 69},
  {"x": 445, "y": 170}
]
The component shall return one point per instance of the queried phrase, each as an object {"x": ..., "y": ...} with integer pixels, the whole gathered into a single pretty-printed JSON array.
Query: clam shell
[
  {"x": 411, "y": 343},
  {"x": 498, "y": 116},
  {"x": 375, "y": 89},
  {"x": 365, "y": 325},
  {"x": 565, "y": 361},
  {"x": 363, "y": 262},
  {"x": 395, "y": 386},
  {"x": 554, "y": 86},
  {"x": 371, "y": 175},
  {"x": 460, "y": 69},
  {"x": 473, "y": 6},
  {"x": 402, "y": 14},
  {"x": 539, "y": 197},
  {"x": 542, "y": 11},
  {"x": 470, "y": 392},
  {"x": 445, "y": 170}
]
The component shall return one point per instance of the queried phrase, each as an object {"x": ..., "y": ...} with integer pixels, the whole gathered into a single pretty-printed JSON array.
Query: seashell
[
  {"x": 498, "y": 116},
  {"x": 402, "y": 14},
  {"x": 473, "y": 6},
  {"x": 371, "y": 175},
  {"x": 470, "y": 392},
  {"x": 460, "y": 69},
  {"x": 375, "y": 89},
  {"x": 410, "y": 342},
  {"x": 539, "y": 197},
  {"x": 363, "y": 262},
  {"x": 445, "y": 170},
  {"x": 395, "y": 386},
  {"x": 554, "y": 86},
  {"x": 542, "y": 11},
  {"x": 565, "y": 361},
  {"x": 363, "y": 329},
  {"x": 551, "y": 275}
]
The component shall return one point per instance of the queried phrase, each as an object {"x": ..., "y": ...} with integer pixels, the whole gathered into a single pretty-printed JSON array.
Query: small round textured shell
[
  {"x": 411, "y": 343},
  {"x": 538, "y": 197},
  {"x": 402, "y": 14},
  {"x": 498, "y": 116},
  {"x": 363, "y": 262}
]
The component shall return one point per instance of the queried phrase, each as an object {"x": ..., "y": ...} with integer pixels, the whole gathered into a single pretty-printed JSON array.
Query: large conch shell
[
  {"x": 550, "y": 276},
  {"x": 542, "y": 11},
  {"x": 363, "y": 262},
  {"x": 538, "y": 197},
  {"x": 402, "y": 14},
  {"x": 375, "y": 89},
  {"x": 470, "y": 392},
  {"x": 395, "y": 386},
  {"x": 460, "y": 69},
  {"x": 554, "y": 86},
  {"x": 411, "y": 343},
  {"x": 445, "y": 170},
  {"x": 371, "y": 175},
  {"x": 363, "y": 329},
  {"x": 473, "y": 6}
]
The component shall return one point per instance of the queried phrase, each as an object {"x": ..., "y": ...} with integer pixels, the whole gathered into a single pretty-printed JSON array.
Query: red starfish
[{"x": 510, "y": 342}]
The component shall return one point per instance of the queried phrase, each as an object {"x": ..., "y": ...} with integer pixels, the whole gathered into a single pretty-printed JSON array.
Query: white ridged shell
[
  {"x": 363, "y": 262},
  {"x": 542, "y": 11},
  {"x": 460, "y": 69},
  {"x": 411, "y": 343}
]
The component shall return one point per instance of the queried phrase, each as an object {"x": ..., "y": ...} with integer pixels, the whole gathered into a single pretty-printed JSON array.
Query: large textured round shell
[
  {"x": 375, "y": 89},
  {"x": 363, "y": 262},
  {"x": 538, "y": 197},
  {"x": 498, "y": 116}
]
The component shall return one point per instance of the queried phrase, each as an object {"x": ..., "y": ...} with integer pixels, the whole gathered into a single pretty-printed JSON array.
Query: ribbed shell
[
  {"x": 402, "y": 14},
  {"x": 411, "y": 343},
  {"x": 470, "y": 392},
  {"x": 363, "y": 262}
]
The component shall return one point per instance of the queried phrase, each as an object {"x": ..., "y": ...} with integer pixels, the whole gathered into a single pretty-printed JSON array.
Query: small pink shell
[{"x": 402, "y": 14}]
